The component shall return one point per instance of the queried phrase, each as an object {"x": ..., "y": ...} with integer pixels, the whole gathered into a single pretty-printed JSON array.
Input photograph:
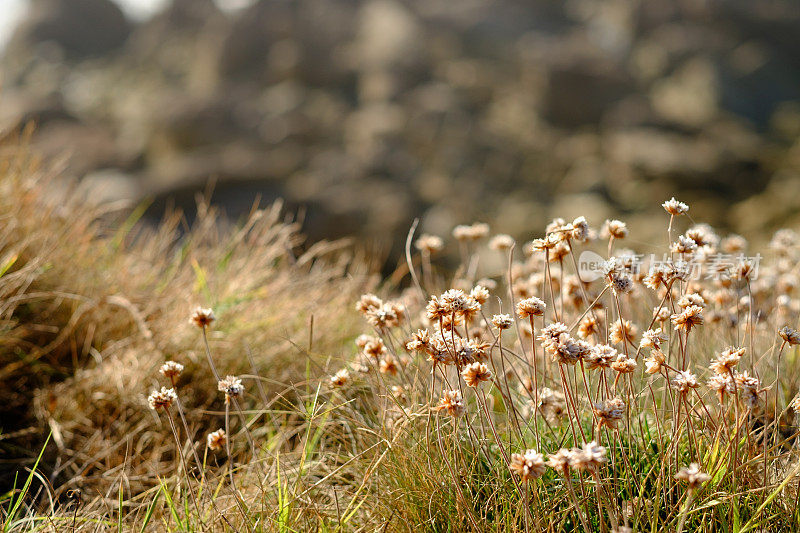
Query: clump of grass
[{"x": 538, "y": 396}]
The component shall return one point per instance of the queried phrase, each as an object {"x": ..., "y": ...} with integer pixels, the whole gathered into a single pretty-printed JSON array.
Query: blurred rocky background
[{"x": 368, "y": 113}]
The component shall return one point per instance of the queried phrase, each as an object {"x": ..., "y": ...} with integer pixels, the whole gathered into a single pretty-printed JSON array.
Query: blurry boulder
[{"x": 81, "y": 28}]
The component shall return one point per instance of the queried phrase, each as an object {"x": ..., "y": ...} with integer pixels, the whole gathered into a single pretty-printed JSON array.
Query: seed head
[
  {"x": 588, "y": 327},
  {"x": 652, "y": 338},
  {"x": 501, "y": 242},
  {"x": 389, "y": 365},
  {"x": 162, "y": 398},
  {"x": 502, "y": 322},
  {"x": 429, "y": 244},
  {"x": 790, "y": 335},
  {"x": 674, "y": 207},
  {"x": 231, "y": 386},
  {"x": 684, "y": 245},
  {"x": 559, "y": 461},
  {"x": 624, "y": 331},
  {"x": 600, "y": 356},
  {"x": 653, "y": 363},
  {"x": 580, "y": 229},
  {"x": 476, "y": 373},
  {"x": 614, "y": 228},
  {"x": 375, "y": 348},
  {"x": 341, "y": 378},
  {"x": 588, "y": 458},
  {"x": 624, "y": 365},
  {"x": 171, "y": 370},
  {"x": 216, "y": 440},
  {"x": 202, "y": 317},
  {"x": 692, "y": 476},
  {"x": 529, "y": 307},
  {"x": 684, "y": 381},
  {"x": 368, "y": 302},
  {"x": 609, "y": 412},
  {"x": 529, "y": 465},
  {"x": 480, "y": 294},
  {"x": 795, "y": 404},
  {"x": 452, "y": 402},
  {"x": 688, "y": 318},
  {"x": 727, "y": 360}
]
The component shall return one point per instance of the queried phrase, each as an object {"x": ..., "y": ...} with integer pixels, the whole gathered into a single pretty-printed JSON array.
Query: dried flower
[
  {"x": 171, "y": 370},
  {"x": 689, "y": 317},
  {"x": 429, "y": 244},
  {"x": 473, "y": 232},
  {"x": 795, "y": 404},
  {"x": 588, "y": 327},
  {"x": 624, "y": 365},
  {"x": 162, "y": 398},
  {"x": 367, "y": 303},
  {"x": 560, "y": 460},
  {"x": 684, "y": 245},
  {"x": 790, "y": 335},
  {"x": 340, "y": 378},
  {"x": 674, "y": 207},
  {"x": 726, "y": 361},
  {"x": 580, "y": 229},
  {"x": 529, "y": 307},
  {"x": 653, "y": 363},
  {"x": 501, "y": 242},
  {"x": 202, "y": 317},
  {"x": 588, "y": 458},
  {"x": 652, "y": 338},
  {"x": 614, "y": 228},
  {"x": 452, "y": 402},
  {"x": 622, "y": 331},
  {"x": 480, "y": 294},
  {"x": 375, "y": 348},
  {"x": 527, "y": 466},
  {"x": 502, "y": 322},
  {"x": 609, "y": 412},
  {"x": 690, "y": 299},
  {"x": 231, "y": 386},
  {"x": 476, "y": 373},
  {"x": 692, "y": 476},
  {"x": 216, "y": 440},
  {"x": 600, "y": 356},
  {"x": 684, "y": 381},
  {"x": 389, "y": 365}
]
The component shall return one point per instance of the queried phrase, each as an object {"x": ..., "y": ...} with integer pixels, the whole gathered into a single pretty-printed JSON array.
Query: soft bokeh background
[{"x": 369, "y": 113}]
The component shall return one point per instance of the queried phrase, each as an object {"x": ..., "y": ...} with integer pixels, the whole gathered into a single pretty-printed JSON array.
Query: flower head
[
  {"x": 589, "y": 457},
  {"x": 726, "y": 361},
  {"x": 531, "y": 307},
  {"x": 614, "y": 228},
  {"x": 340, "y": 378},
  {"x": 684, "y": 381},
  {"x": 429, "y": 244},
  {"x": 452, "y": 402},
  {"x": 501, "y": 242},
  {"x": 476, "y": 373},
  {"x": 216, "y": 440},
  {"x": 688, "y": 318},
  {"x": 528, "y": 465},
  {"x": 790, "y": 335},
  {"x": 674, "y": 207},
  {"x": 162, "y": 398},
  {"x": 609, "y": 412},
  {"x": 171, "y": 370},
  {"x": 231, "y": 386},
  {"x": 502, "y": 322},
  {"x": 202, "y": 317},
  {"x": 692, "y": 476}
]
